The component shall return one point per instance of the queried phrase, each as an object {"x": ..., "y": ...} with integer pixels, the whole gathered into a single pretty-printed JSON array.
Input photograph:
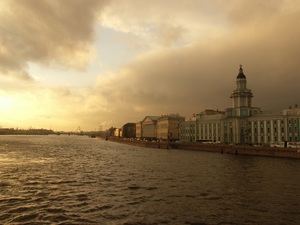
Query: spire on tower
[{"x": 241, "y": 74}]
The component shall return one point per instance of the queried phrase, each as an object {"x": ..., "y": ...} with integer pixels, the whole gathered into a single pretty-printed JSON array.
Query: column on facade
[
  {"x": 217, "y": 132},
  {"x": 200, "y": 131},
  {"x": 212, "y": 131},
  {"x": 286, "y": 129},
  {"x": 278, "y": 130},
  {"x": 272, "y": 130},
  {"x": 258, "y": 132},
  {"x": 265, "y": 131},
  {"x": 235, "y": 126},
  {"x": 207, "y": 131},
  {"x": 252, "y": 132}
]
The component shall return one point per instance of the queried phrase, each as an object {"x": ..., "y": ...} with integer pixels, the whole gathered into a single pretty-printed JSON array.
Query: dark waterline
[{"x": 79, "y": 180}]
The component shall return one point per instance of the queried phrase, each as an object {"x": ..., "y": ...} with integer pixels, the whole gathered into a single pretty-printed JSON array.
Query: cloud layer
[
  {"x": 202, "y": 74},
  {"x": 49, "y": 32},
  {"x": 194, "y": 49}
]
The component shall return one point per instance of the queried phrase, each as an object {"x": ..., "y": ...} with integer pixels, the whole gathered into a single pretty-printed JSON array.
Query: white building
[
  {"x": 187, "y": 130},
  {"x": 209, "y": 126},
  {"x": 245, "y": 124}
]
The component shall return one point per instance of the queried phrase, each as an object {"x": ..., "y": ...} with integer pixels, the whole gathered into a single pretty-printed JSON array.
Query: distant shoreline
[{"x": 217, "y": 148}]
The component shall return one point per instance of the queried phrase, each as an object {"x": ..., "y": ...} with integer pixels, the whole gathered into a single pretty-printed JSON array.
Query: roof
[
  {"x": 241, "y": 74},
  {"x": 152, "y": 118},
  {"x": 210, "y": 117},
  {"x": 267, "y": 114}
]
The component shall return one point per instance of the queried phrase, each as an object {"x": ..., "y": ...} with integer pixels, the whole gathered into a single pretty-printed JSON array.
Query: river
[{"x": 80, "y": 180}]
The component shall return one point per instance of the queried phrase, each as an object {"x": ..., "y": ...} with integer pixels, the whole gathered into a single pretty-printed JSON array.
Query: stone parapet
[{"x": 217, "y": 148}]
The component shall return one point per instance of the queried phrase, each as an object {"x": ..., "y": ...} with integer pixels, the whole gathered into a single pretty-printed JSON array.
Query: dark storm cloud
[
  {"x": 46, "y": 31},
  {"x": 263, "y": 37}
]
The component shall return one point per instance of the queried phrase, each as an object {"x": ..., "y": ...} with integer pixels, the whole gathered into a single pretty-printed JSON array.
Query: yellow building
[
  {"x": 138, "y": 130},
  {"x": 168, "y": 127},
  {"x": 149, "y": 127}
]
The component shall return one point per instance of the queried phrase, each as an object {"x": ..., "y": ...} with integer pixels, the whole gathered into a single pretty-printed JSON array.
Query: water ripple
[{"x": 77, "y": 180}]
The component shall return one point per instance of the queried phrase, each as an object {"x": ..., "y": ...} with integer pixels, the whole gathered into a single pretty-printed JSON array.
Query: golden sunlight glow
[{"x": 6, "y": 102}]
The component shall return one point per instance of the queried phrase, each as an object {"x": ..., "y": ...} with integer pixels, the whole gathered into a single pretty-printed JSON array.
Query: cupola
[{"x": 241, "y": 74}]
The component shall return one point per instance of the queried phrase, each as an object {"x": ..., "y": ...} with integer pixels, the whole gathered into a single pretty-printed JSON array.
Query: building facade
[
  {"x": 118, "y": 132},
  {"x": 165, "y": 127},
  {"x": 209, "y": 126},
  {"x": 168, "y": 127},
  {"x": 129, "y": 130},
  {"x": 149, "y": 130},
  {"x": 245, "y": 124},
  {"x": 138, "y": 130},
  {"x": 187, "y": 130}
]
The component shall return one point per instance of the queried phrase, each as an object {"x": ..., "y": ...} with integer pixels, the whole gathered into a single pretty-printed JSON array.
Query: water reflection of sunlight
[
  {"x": 5, "y": 159},
  {"x": 10, "y": 159}
]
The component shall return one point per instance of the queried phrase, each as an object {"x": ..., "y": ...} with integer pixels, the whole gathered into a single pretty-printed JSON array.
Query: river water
[{"x": 80, "y": 180}]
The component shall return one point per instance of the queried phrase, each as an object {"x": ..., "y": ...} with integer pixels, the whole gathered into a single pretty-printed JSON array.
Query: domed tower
[{"x": 241, "y": 96}]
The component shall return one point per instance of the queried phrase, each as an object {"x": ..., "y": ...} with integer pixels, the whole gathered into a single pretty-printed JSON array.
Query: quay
[{"x": 217, "y": 148}]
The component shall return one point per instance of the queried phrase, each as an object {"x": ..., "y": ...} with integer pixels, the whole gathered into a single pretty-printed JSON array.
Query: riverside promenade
[{"x": 217, "y": 148}]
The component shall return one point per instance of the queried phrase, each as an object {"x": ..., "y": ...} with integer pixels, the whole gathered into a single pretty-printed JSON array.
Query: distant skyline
[{"x": 102, "y": 63}]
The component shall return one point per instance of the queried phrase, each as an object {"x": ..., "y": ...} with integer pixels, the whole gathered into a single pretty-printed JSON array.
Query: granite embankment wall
[
  {"x": 146, "y": 144},
  {"x": 218, "y": 148},
  {"x": 241, "y": 150}
]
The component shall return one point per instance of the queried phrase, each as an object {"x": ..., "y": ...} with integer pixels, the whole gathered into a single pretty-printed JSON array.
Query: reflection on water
[{"x": 78, "y": 180}]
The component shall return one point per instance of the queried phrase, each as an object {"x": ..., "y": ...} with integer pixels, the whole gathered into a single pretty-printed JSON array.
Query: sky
[{"x": 94, "y": 64}]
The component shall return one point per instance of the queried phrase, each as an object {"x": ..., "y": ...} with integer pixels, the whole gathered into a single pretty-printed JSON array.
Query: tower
[{"x": 241, "y": 96}]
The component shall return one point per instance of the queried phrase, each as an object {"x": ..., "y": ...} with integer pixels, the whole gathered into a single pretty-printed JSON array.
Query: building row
[
  {"x": 240, "y": 124},
  {"x": 153, "y": 128}
]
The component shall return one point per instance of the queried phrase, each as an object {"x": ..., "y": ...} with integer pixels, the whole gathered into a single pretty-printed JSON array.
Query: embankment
[{"x": 218, "y": 148}]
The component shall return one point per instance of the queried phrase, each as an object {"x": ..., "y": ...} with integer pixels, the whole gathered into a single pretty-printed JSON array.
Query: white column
[
  {"x": 258, "y": 132},
  {"x": 265, "y": 132},
  {"x": 252, "y": 132},
  {"x": 279, "y": 130},
  {"x": 272, "y": 131}
]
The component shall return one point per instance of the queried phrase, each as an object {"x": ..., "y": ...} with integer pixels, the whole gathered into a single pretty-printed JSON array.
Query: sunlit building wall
[
  {"x": 149, "y": 127},
  {"x": 138, "y": 130},
  {"x": 168, "y": 127}
]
